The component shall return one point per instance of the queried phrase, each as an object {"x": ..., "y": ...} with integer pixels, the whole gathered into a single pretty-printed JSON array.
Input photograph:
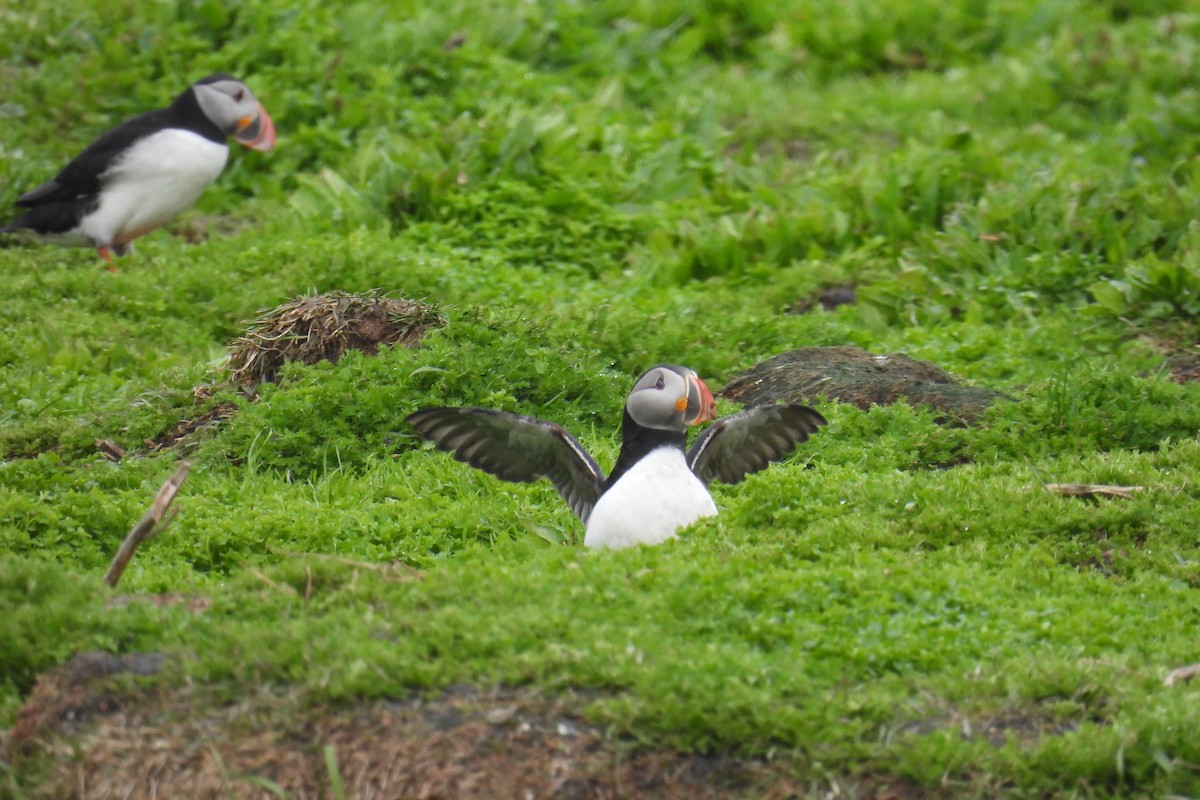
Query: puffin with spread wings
[{"x": 656, "y": 486}]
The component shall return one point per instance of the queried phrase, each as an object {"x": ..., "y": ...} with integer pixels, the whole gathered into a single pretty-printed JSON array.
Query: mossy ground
[{"x": 585, "y": 190}]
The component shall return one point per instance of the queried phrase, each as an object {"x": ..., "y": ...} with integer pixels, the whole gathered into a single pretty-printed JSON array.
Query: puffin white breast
[
  {"x": 656, "y": 497},
  {"x": 158, "y": 178}
]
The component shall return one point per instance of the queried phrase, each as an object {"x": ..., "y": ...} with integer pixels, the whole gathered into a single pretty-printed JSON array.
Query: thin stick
[
  {"x": 1089, "y": 489},
  {"x": 150, "y": 525},
  {"x": 1182, "y": 675}
]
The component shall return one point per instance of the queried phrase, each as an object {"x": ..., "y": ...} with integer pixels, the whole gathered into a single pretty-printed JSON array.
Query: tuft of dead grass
[{"x": 323, "y": 327}]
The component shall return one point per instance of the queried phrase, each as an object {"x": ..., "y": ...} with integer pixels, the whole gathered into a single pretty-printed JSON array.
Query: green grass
[{"x": 585, "y": 190}]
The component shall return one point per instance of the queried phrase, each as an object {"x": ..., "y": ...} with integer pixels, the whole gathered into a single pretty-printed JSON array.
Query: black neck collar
[
  {"x": 636, "y": 442},
  {"x": 185, "y": 112}
]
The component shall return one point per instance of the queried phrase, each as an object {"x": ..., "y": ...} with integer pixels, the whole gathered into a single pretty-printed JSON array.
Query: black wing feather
[
  {"x": 516, "y": 448},
  {"x": 57, "y": 205},
  {"x": 58, "y": 216},
  {"x": 81, "y": 177},
  {"x": 738, "y": 445}
]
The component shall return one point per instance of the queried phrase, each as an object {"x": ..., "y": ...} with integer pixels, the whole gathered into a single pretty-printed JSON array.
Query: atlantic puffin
[
  {"x": 656, "y": 487},
  {"x": 145, "y": 172}
]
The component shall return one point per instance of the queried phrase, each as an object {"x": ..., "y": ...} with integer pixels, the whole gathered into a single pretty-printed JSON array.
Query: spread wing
[
  {"x": 516, "y": 448},
  {"x": 737, "y": 445}
]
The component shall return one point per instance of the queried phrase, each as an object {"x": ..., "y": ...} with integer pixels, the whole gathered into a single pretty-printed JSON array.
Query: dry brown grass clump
[{"x": 323, "y": 327}]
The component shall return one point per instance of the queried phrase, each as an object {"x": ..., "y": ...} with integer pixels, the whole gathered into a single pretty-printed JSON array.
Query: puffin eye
[
  {"x": 239, "y": 95},
  {"x": 660, "y": 383}
]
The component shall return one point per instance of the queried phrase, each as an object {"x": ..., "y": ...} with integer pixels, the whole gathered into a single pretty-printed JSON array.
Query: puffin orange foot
[{"x": 106, "y": 254}]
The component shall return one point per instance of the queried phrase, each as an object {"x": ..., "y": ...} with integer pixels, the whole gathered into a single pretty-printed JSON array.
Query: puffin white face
[
  {"x": 233, "y": 108},
  {"x": 670, "y": 398}
]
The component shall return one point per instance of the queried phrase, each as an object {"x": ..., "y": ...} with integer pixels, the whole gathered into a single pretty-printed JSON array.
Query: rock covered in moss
[{"x": 858, "y": 377}]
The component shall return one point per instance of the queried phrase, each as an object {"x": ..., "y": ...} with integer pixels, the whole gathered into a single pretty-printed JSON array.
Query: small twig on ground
[
  {"x": 1090, "y": 489},
  {"x": 150, "y": 525},
  {"x": 110, "y": 449},
  {"x": 1182, "y": 675}
]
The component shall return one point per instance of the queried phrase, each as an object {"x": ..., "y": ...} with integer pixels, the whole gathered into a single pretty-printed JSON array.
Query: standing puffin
[
  {"x": 655, "y": 487},
  {"x": 145, "y": 172}
]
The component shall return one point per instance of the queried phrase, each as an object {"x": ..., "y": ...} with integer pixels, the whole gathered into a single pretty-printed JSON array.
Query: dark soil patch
[
  {"x": 1184, "y": 367},
  {"x": 853, "y": 375},
  {"x": 829, "y": 298}
]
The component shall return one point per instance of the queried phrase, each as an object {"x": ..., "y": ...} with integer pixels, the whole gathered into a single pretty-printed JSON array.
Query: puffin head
[
  {"x": 670, "y": 398},
  {"x": 232, "y": 107}
]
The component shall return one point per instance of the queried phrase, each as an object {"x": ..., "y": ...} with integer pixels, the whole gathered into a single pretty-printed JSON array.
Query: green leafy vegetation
[{"x": 585, "y": 190}]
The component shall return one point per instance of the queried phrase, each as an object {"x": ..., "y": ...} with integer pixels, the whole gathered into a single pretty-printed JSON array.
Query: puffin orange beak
[
  {"x": 700, "y": 404},
  {"x": 257, "y": 132}
]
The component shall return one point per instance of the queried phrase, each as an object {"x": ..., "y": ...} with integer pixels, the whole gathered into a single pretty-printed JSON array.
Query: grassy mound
[{"x": 322, "y": 328}]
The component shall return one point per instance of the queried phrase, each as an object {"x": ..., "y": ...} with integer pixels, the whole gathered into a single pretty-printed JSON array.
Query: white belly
[
  {"x": 160, "y": 177},
  {"x": 649, "y": 503}
]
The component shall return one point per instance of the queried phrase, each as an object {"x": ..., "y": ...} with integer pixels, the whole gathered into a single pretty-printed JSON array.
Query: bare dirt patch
[
  {"x": 88, "y": 730},
  {"x": 97, "y": 739},
  {"x": 1184, "y": 367}
]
